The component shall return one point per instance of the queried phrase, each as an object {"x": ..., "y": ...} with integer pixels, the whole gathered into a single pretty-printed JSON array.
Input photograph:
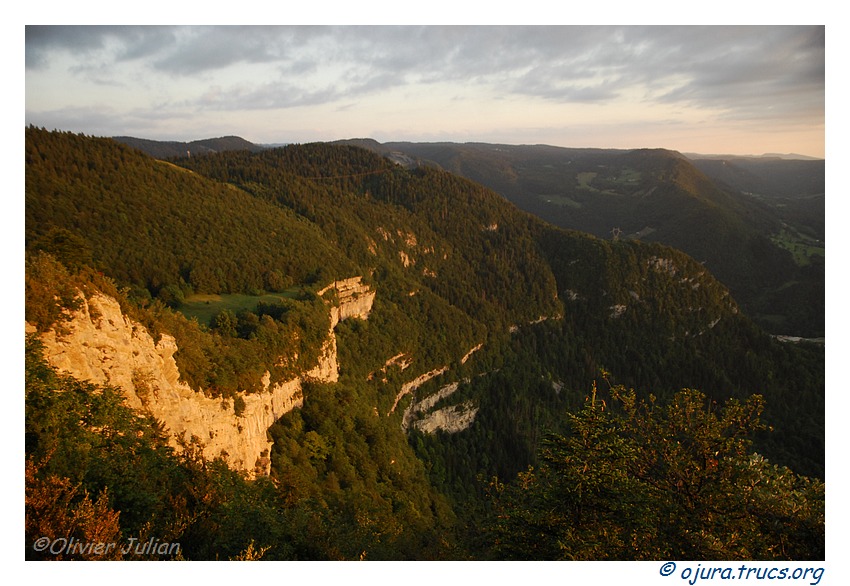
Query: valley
[
  {"x": 323, "y": 353},
  {"x": 757, "y": 224}
]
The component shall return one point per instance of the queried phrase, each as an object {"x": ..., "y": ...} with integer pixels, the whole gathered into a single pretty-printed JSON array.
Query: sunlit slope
[{"x": 153, "y": 225}]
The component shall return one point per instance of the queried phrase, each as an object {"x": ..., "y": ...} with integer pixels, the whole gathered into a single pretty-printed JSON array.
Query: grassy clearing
[
  {"x": 203, "y": 307},
  {"x": 585, "y": 178},
  {"x": 802, "y": 247},
  {"x": 560, "y": 200},
  {"x": 175, "y": 167},
  {"x": 629, "y": 175},
  {"x": 616, "y": 182}
]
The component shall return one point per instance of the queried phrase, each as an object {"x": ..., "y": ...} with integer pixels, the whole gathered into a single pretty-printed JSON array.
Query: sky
[{"x": 701, "y": 89}]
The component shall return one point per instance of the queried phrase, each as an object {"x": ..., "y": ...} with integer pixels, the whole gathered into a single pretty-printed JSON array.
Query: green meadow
[
  {"x": 802, "y": 247},
  {"x": 203, "y": 306}
]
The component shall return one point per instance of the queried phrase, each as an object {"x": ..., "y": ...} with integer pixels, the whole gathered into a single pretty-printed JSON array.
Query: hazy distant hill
[
  {"x": 756, "y": 223},
  {"x": 167, "y": 149},
  {"x": 767, "y": 177},
  {"x": 783, "y": 156},
  {"x": 793, "y": 189}
]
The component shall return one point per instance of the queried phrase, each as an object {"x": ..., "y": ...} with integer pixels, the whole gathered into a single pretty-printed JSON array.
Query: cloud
[
  {"x": 198, "y": 50},
  {"x": 113, "y": 43},
  {"x": 729, "y": 73},
  {"x": 561, "y": 62},
  {"x": 269, "y": 96},
  {"x": 755, "y": 71}
]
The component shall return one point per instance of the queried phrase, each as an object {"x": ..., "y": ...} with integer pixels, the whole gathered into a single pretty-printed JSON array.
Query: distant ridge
[
  {"x": 783, "y": 156},
  {"x": 741, "y": 216},
  {"x": 166, "y": 149}
]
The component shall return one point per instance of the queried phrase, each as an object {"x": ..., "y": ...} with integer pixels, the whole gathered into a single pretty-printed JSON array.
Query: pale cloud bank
[{"x": 673, "y": 86}]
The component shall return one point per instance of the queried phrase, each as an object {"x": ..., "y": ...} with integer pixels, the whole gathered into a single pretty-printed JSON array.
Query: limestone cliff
[
  {"x": 353, "y": 299},
  {"x": 411, "y": 386},
  {"x": 415, "y": 408},
  {"x": 448, "y": 419},
  {"x": 420, "y": 413},
  {"x": 422, "y": 416},
  {"x": 102, "y": 345}
]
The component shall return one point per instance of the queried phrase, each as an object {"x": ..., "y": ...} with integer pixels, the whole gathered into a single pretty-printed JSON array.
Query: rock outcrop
[
  {"x": 353, "y": 299},
  {"x": 420, "y": 413},
  {"x": 449, "y": 419},
  {"x": 411, "y": 386},
  {"x": 422, "y": 416},
  {"x": 102, "y": 345}
]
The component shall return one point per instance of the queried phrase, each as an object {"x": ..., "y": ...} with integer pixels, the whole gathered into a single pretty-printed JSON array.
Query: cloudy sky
[{"x": 716, "y": 89}]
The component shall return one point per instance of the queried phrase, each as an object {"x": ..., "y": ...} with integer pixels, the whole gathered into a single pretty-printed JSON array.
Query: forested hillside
[
  {"x": 162, "y": 149},
  {"x": 490, "y": 331},
  {"x": 757, "y": 225}
]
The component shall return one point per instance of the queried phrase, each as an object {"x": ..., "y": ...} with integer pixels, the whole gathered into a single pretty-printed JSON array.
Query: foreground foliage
[{"x": 637, "y": 480}]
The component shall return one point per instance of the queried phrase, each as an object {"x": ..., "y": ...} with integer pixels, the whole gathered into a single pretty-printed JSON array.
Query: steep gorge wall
[
  {"x": 354, "y": 299},
  {"x": 102, "y": 345}
]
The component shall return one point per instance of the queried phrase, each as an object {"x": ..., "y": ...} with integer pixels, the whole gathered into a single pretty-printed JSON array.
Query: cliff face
[
  {"x": 422, "y": 416},
  {"x": 104, "y": 346},
  {"x": 354, "y": 299},
  {"x": 420, "y": 413},
  {"x": 448, "y": 419}
]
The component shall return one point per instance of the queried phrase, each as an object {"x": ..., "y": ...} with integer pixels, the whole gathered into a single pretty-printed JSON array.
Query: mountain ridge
[
  {"x": 162, "y": 149},
  {"x": 238, "y": 143},
  {"x": 754, "y": 243},
  {"x": 503, "y": 322}
]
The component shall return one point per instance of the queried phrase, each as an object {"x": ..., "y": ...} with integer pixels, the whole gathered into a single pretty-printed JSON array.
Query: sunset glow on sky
[{"x": 714, "y": 89}]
